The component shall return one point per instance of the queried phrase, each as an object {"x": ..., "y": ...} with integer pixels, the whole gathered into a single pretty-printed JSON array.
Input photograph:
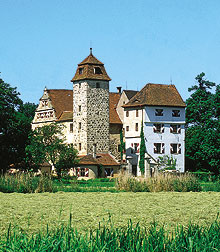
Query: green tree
[
  {"x": 203, "y": 126},
  {"x": 122, "y": 144},
  {"x": 15, "y": 125},
  {"x": 142, "y": 151},
  {"x": 47, "y": 144}
]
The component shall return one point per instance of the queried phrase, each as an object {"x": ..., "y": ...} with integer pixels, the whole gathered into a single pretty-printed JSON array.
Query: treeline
[{"x": 15, "y": 126}]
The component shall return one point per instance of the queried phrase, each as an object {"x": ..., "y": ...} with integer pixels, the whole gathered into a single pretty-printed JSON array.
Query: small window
[
  {"x": 127, "y": 113},
  {"x": 176, "y": 113},
  {"x": 127, "y": 128},
  {"x": 80, "y": 146},
  {"x": 158, "y": 128},
  {"x": 175, "y": 148},
  {"x": 82, "y": 172},
  {"x": 79, "y": 108},
  {"x": 97, "y": 70},
  {"x": 79, "y": 85},
  {"x": 159, "y": 148},
  {"x": 124, "y": 102},
  {"x": 136, "y": 112},
  {"x": 119, "y": 148},
  {"x": 97, "y": 85},
  {"x": 175, "y": 129},
  {"x": 136, "y": 126},
  {"x": 71, "y": 127},
  {"x": 158, "y": 112},
  {"x": 136, "y": 147},
  {"x": 81, "y": 70},
  {"x": 80, "y": 125}
]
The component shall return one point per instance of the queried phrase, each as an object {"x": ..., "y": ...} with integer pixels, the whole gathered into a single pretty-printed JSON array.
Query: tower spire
[{"x": 90, "y": 50}]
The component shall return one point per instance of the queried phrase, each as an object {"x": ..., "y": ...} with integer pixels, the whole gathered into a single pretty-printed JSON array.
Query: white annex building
[{"x": 94, "y": 118}]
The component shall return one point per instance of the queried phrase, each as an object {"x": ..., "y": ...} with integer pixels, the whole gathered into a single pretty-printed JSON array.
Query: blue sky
[{"x": 42, "y": 42}]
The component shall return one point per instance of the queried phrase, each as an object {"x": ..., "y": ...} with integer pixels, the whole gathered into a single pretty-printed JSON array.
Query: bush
[
  {"x": 162, "y": 182},
  {"x": 131, "y": 184},
  {"x": 26, "y": 183}
]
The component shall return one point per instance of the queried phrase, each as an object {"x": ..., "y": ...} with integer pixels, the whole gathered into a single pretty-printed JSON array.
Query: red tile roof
[
  {"x": 104, "y": 159},
  {"x": 157, "y": 95},
  {"x": 61, "y": 99},
  {"x": 113, "y": 101},
  {"x": 66, "y": 116},
  {"x": 88, "y": 70}
]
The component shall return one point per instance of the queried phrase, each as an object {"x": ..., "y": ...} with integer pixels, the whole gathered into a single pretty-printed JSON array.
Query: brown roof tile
[
  {"x": 157, "y": 95},
  {"x": 66, "y": 116},
  {"x": 61, "y": 99},
  {"x": 104, "y": 159},
  {"x": 130, "y": 93},
  {"x": 88, "y": 65},
  {"x": 113, "y": 101}
]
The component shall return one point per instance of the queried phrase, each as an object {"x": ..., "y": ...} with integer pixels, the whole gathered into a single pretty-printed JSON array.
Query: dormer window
[
  {"x": 158, "y": 112},
  {"x": 81, "y": 70},
  {"x": 175, "y": 113},
  {"x": 97, "y": 70}
]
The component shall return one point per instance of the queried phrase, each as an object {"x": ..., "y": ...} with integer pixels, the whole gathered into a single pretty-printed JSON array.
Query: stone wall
[
  {"x": 98, "y": 116},
  {"x": 91, "y": 113},
  {"x": 80, "y": 116}
]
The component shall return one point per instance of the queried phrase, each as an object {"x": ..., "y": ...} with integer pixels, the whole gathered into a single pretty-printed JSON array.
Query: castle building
[
  {"x": 94, "y": 117},
  {"x": 162, "y": 111}
]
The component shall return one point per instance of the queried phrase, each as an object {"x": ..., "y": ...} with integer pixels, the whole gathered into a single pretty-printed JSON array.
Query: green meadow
[{"x": 33, "y": 212}]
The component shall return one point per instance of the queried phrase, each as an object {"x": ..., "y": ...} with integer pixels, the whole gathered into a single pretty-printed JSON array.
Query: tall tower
[{"x": 91, "y": 106}]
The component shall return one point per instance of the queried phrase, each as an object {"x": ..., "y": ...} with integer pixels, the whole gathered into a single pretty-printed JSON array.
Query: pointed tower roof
[{"x": 91, "y": 68}]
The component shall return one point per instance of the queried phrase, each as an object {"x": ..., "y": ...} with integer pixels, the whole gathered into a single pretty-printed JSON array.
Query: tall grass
[
  {"x": 162, "y": 182},
  {"x": 26, "y": 183},
  {"x": 107, "y": 238}
]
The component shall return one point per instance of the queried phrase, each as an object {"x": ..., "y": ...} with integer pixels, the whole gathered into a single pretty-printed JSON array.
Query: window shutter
[
  {"x": 162, "y": 128},
  {"x": 155, "y": 148},
  {"x": 179, "y": 148},
  {"x": 154, "y": 129},
  {"x": 87, "y": 172},
  {"x": 171, "y": 148},
  {"x": 171, "y": 129},
  {"x": 179, "y": 129},
  {"x": 137, "y": 144},
  {"x": 163, "y": 148},
  {"x": 132, "y": 145},
  {"x": 78, "y": 172}
]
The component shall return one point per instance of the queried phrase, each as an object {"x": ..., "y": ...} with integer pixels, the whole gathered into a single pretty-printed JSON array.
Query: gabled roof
[
  {"x": 61, "y": 99},
  {"x": 86, "y": 70},
  {"x": 62, "y": 102},
  {"x": 113, "y": 102},
  {"x": 104, "y": 159},
  {"x": 130, "y": 93},
  {"x": 157, "y": 95}
]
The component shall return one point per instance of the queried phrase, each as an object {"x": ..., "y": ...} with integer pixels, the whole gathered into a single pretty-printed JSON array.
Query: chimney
[
  {"x": 119, "y": 89},
  {"x": 94, "y": 151}
]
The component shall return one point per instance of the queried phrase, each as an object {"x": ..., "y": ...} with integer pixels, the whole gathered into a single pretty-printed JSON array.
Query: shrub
[
  {"x": 162, "y": 182},
  {"x": 26, "y": 183},
  {"x": 131, "y": 184}
]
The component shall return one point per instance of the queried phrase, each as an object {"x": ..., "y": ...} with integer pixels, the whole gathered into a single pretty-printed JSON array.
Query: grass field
[{"x": 32, "y": 212}]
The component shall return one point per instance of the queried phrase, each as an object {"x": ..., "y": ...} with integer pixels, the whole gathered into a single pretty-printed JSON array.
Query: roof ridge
[{"x": 57, "y": 89}]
